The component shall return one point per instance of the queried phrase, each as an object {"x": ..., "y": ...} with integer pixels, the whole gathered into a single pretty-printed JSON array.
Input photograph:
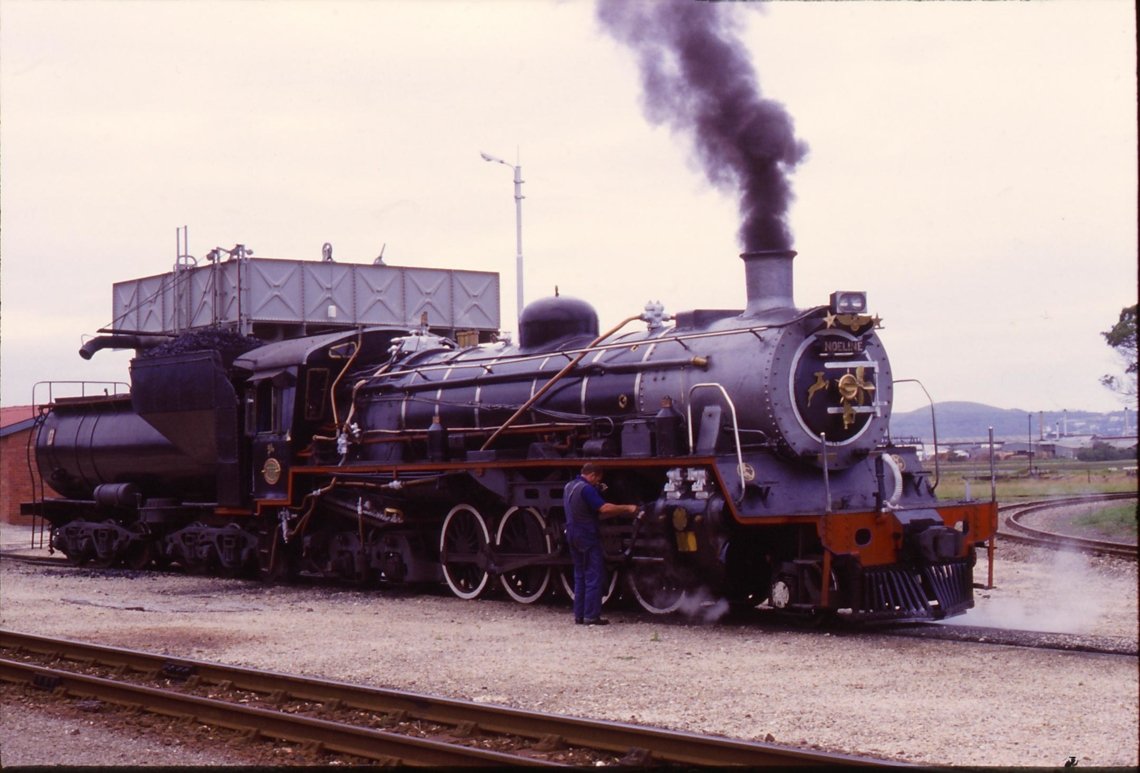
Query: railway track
[
  {"x": 1012, "y": 526},
  {"x": 377, "y": 725},
  {"x": 23, "y": 558}
]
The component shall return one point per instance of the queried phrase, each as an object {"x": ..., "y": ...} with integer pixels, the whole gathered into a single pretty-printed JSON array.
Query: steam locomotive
[{"x": 756, "y": 441}]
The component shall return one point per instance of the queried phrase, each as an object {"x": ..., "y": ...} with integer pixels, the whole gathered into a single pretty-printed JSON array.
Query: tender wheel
[
  {"x": 141, "y": 552},
  {"x": 463, "y": 542},
  {"x": 139, "y": 556},
  {"x": 107, "y": 545},
  {"x": 229, "y": 555},
  {"x": 73, "y": 542},
  {"x": 522, "y": 534},
  {"x": 80, "y": 556},
  {"x": 609, "y": 583},
  {"x": 186, "y": 549},
  {"x": 654, "y": 590}
]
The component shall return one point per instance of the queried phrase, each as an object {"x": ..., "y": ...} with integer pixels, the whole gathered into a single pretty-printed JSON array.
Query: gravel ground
[{"x": 913, "y": 700}]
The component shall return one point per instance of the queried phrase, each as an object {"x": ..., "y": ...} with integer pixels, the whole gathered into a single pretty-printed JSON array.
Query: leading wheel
[
  {"x": 522, "y": 535},
  {"x": 463, "y": 542},
  {"x": 654, "y": 590}
]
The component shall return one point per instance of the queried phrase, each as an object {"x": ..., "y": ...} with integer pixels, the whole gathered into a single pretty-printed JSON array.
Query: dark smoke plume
[{"x": 698, "y": 78}]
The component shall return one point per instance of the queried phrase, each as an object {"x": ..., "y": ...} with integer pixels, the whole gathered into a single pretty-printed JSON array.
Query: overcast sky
[{"x": 972, "y": 166}]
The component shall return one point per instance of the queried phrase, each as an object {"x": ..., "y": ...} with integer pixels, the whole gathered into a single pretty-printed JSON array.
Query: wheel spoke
[
  {"x": 609, "y": 583},
  {"x": 522, "y": 534},
  {"x": 463, "y": 542}
]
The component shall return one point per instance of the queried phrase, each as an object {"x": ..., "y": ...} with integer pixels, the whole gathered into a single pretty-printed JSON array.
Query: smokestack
[{"x": 768, "y": 280}]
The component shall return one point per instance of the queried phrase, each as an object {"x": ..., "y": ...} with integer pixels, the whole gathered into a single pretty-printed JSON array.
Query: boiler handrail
[
  {"x": 554, "y": 380},
  {"x": 735, "y": 425},
  {"x": 933, "y": 426}
]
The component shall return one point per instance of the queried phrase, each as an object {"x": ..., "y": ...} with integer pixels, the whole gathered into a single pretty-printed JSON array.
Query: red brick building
[{"x": 16, "y": 483}]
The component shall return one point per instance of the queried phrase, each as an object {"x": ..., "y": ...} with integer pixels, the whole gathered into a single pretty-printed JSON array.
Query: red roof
[{"x": 16, "y": 414}]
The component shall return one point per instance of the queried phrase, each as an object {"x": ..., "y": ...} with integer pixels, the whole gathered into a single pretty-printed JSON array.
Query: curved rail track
[
  {"x": 1012, "y": 526},
  {"x": 382, "y": 726}
]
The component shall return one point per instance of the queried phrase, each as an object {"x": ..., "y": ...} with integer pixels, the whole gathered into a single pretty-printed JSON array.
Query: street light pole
[
  {"x": 1030, "y": 417},
  {"x": 518, "y": 225}
]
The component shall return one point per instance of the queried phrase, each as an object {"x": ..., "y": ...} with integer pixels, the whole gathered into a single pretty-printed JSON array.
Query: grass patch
[
  {"x": 1118, "y": 521},
  {"x": 1052, "y": 478}
]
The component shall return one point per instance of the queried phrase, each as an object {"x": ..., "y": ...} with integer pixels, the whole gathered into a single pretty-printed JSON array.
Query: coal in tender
[{"x": 228, "y": 343}]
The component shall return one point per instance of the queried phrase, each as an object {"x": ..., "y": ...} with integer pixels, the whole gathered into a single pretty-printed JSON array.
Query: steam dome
[{"x": 550, "y": 319}]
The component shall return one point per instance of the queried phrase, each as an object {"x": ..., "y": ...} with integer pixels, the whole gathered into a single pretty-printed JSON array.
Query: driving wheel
[
  {"x": 522, "y": 535},
  {"x": 609, "y": 583},
  {"x": 463, "y": 542},
  {"x": 655, "y": 591}
]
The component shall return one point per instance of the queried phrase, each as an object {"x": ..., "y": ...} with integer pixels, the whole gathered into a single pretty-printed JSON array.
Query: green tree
[
  {"x": 1122, "y": 338},
  {"x": 1100, "y": 451}
]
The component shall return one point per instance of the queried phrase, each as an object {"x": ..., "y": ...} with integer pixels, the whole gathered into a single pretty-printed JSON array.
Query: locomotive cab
[{"x": 291, "y": 403}]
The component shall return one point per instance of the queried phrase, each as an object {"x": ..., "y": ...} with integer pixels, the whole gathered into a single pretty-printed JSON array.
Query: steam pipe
[
  {"x": 483, "y": 379},
  {"x": 554, "y": 380},
  {"x": 826, "y": 481},
  {"x": 87, "y": 351}
]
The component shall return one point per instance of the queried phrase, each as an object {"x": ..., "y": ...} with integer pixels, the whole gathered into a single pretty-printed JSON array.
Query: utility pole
[
  {"x": 1030, "y": 417},
  {"x": 518, "y": 225}
]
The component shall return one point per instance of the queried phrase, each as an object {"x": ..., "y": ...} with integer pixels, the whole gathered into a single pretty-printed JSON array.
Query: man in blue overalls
[{"x": 584, "y": 508}]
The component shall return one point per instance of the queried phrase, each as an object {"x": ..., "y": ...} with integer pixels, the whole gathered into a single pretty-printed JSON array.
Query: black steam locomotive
[{"x": 756, "y": 440}]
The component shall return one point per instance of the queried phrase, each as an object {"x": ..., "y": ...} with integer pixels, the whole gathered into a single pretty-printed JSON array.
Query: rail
[
  {"x": 539, "y": 732},
  {"x": 1022, "y": 532},
  {"x": 333, "y": 736}
]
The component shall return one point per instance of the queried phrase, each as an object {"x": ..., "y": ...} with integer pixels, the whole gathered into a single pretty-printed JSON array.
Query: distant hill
[{"x": 971, "y": 421}]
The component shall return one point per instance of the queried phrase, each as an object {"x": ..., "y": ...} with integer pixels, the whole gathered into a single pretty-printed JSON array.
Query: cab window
[
  {"x": 265, "y": 407},
  {"x": 316, "y": 393}
]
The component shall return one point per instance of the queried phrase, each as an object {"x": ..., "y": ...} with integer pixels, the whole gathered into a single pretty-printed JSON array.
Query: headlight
[{"x": 848, "y": 302}]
